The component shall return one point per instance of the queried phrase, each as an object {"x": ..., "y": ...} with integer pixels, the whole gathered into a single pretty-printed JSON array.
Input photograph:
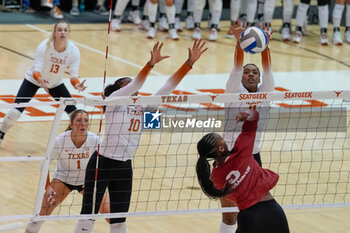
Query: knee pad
[
  {"x": 118, "y": 228},
  {"x": 322, "y": 2},
  {"x": 305, "y": 1},
  {"x": 33, "y": 227},
  {"x": 10, "y": 119},
  {"x": 84, "y": 225}
]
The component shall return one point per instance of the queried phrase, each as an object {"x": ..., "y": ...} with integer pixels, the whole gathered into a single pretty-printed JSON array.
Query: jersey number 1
[{"x": 78, "y": 164}]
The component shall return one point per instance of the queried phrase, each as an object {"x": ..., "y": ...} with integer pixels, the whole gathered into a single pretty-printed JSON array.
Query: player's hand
[
  {"x": 51, "y": 196},
  {"x": 242, "y": 116},
  {"x": 155, "y": 54},
  {"x": 266, "y": 29},
  {"x": 236, "y": 29},
  {"x": 44, "y": 83},
  {"x": 195, "y": 53},
  {"x": 81, "y": 86}
]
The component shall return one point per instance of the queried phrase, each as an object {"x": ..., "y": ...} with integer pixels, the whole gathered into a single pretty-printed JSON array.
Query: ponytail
[
  {"x": 114, "y": 87},
  {"x": 204, "y": 178},
  {"x": 207, "y": 148}
]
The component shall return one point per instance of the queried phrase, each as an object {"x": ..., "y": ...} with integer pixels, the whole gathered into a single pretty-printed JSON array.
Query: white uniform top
[
  {"x": 232, "y": 128},
  {"x": 52, "y": 64},
  {"x": 72, "y": 161},
  {"x": 124, "y": 123}
]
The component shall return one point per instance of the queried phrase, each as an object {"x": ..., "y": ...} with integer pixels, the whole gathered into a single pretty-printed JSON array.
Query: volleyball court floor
[{"x": 304, "y": 67}]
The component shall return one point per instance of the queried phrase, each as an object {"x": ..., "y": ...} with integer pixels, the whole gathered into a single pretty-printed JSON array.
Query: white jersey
[
  {"x": 124, "y": 123},
  {"x": 232, "y": 128},
  {"x": 122, "y": 132},
  {"x": 52, "y": 64},
  {"x": 72, "y": 161}
]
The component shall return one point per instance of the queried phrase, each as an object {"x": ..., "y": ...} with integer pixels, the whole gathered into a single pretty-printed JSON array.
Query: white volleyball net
[{"x": 304, "y": 139}]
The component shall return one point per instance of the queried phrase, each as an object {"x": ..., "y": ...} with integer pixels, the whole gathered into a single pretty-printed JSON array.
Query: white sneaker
[
  {"x": 74, "y": 11},
  {"x": 178, "y": 26},
  {"x": 285, "y": 34},
  {"x": 347, "y": 36},
  {"x": 197, "y": 33},
  {"x": 173, "y": 34},
  {"x": 56, "y": 13},
  {"x": 213, "y": 34},
  {"x": 297, "y": 37},
  {"x": 189, "y": 23},
  {"x": 163, "y": 24},
  {"x": 134, "y": 17},
  {"x": 144, "y": 25},
  {"x": 151, "y": 33},
  {"x": 115, "y": 25},
  {"x": 47, "y": 3},
  {"x": 337, "y": 38},
  {"x": 101, "y": 10},
  {"x": 229, "y": 36},
  {"x": 324, "y": 39}
]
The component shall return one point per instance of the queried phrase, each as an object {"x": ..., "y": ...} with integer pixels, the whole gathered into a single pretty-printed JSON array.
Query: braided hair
[{"x": 207, "y": 148}]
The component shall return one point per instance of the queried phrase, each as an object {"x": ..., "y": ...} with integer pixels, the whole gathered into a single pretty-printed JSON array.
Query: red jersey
[{"x": 248, "y": 181}]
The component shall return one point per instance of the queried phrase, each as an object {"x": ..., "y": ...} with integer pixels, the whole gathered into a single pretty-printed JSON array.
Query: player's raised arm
[
  {"x": 194, "y": 54},
  {"x": 265, "y": 55},
  {"x": 140, "y": 78},
  {"x": 235, "y": 80},
  {"x": 268, "y": 83}
]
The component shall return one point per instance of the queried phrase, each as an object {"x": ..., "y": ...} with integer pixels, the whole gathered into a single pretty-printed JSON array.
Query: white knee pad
[
  {"x": 135, "y": 2},
  {"x": 152, "y": 12},
  {"x": 224, "y": 228},
  {"x": 251, "y": 10},
  {"x": 323, "y": 14},
  {"x": 216, "y": 11},
  {"x": 288, "y": 7},
  {"x": 33, "y": 227},
  {"x": 120, "y": 7},
  {"x": 337, "y": 14},
  {"x": 235, "y": 5},
  {"x": 84, "y": 226},
  {"x": 118, "y": 228},
  {"x": 347, "y": 15},
  {"x": 301, "y": 14},
  {"x": 269, "y": 8},
  {"x": 170, "y": 13},
  {"x": 198, "y": 10},
  {"x": 10, "y": 119}
]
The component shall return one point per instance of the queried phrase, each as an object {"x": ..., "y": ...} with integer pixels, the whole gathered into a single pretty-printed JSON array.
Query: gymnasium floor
[{"x": 303, "y": 67}]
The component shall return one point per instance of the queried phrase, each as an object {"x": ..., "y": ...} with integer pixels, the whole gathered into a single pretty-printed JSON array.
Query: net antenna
[{"x": 103, "y": 97}]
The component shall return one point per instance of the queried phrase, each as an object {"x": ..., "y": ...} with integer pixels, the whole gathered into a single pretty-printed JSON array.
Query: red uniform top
[{"x": 248, "y": 181}]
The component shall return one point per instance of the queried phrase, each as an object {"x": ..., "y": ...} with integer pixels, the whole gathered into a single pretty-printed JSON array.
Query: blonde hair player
[
  {"x": 52, "y": 57},
  {"x": 245, "y": 79},
  {"x": 72, "y": 149},
  {"x": 118, "y": 149}
]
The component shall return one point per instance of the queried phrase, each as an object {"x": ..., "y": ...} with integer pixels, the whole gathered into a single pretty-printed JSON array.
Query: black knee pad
[
  {"x": 305, "y": 1},
  {"x": 322, "y": 2}
]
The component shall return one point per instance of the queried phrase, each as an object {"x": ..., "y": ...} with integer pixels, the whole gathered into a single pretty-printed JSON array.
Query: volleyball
[{"x": 253, "y": 40}]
